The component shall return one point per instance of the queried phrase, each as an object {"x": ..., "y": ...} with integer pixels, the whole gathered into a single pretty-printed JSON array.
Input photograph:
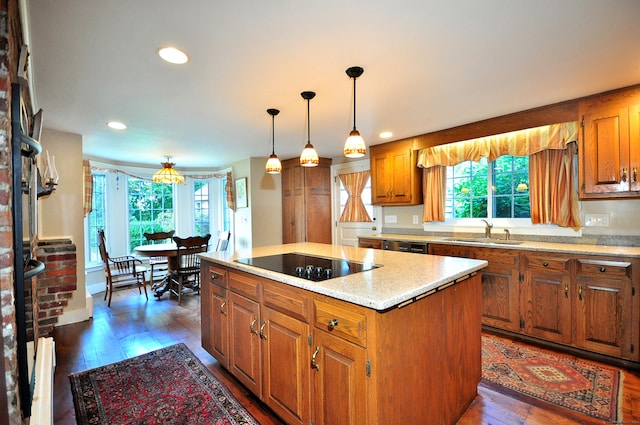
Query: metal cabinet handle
[
  {"x": 566, "y": 290},
  {"x": 333, "y": 323},
  {"x": 315, "y": 365},
  {"x": 262, "y": 335},
  {"x": 603, "y": 269},
  {"x": 580, "y": 292},
  {"x": 252, "y": 326},
  {"x": 545, "y": 264},
  {"x": 224, "y": 303},
  {"x": 624, "y": 174}
]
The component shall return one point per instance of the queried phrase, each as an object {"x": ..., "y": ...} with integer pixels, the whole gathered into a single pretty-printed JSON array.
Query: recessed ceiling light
[
  {"x": 116, "y": 125},
  {"x": 173, "y": 55},
  {"x": 385, "y": 134}
]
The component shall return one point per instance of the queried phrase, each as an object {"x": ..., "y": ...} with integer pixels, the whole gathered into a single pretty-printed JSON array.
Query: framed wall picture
[{"x": 241, "y": 193}]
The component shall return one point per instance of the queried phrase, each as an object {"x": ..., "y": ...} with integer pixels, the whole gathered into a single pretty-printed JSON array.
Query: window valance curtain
[
  {"x": 87, "y": 180},
  {"x": 516, "y": 143},
  {"x": 354, "y": 210},
  {"x": 552, "y": 170}
]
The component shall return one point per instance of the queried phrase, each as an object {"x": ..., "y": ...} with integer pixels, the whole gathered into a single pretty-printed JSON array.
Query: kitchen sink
[{"x": 486, "y": 241}]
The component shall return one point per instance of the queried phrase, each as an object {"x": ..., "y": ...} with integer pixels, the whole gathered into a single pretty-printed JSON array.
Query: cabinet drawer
[
  {"x": 450, "y": 250},
  {"x": 244, "y": 284},
  {"x": 370, "y": 243},
  {"x": 341, "y": 321},
  {"x": 547, "y": 262},
  {"x": 216, "y": 276},
  {"x": 505, "y": 257},
  {"x": 604, "y": 267},
  {"x": 286, "y": 299}
]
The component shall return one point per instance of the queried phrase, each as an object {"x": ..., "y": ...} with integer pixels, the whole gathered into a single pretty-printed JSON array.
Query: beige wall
[
  {"x": 60, "y": 214},
  {"x": 266, "y": 205},
  {"x": 259, "y": 224},
  {"x": 623, "y": 216}
]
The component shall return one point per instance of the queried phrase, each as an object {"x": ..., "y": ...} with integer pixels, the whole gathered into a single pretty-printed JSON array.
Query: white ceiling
[{"x": 428, "y": 65}]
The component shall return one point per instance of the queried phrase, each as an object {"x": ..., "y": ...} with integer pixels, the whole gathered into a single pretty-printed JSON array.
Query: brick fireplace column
[{"x": 57, "y": 283}]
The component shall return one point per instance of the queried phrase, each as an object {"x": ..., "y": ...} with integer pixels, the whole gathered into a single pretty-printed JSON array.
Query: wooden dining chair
[
  {"x": 187, "y": 271},
  {"x": 120, "y": 271},
  {"x": 158, "y": 264},
  {"x": 223, "y": 241}
]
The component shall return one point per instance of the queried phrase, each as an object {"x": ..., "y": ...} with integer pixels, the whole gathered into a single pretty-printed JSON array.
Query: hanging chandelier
[
  {"x": 309, "y": 156},
  {"x": 354, "y": 147},
  {"x": 273, "y": 163},
  {"x": 167, "y": 174}
]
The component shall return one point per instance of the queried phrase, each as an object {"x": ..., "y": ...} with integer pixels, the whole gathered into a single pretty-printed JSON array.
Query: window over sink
[{"x": 488, "y": 189}]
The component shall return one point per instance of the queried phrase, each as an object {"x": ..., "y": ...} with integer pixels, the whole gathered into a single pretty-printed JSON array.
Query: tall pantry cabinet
[{"x": 306, "y": 202}]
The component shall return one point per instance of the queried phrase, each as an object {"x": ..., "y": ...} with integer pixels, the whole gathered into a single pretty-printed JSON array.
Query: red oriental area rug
[
  {"x": 166, "y": 386},
  {"x": 579, "y": 385}
]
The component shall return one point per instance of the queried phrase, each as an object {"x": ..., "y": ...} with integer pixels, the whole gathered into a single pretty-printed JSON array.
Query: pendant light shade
[
  {"x": 354, "y": 147},
  {"x": 309, "y": 156},
  {"x": 167, "y": 174},
  {"x": 273, "y": 163}
]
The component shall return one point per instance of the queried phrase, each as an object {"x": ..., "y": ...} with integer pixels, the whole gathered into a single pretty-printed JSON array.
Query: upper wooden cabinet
[
  {"x": 306, "y": 202},
  {"x": 395, "y": 178},
  {"x": 610, "y": 145}
]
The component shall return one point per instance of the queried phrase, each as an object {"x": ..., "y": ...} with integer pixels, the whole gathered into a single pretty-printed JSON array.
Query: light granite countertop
[
  {"x": 400, "y": 278},
  {"x": 567, "y": 248}
]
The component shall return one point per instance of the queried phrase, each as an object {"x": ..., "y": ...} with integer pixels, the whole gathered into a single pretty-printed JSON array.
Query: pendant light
[
  {"x": 273, "y": 163},
  {"x": 354, "y": 147},
  {"x": 167, "y": 174},
  {"x": 309, "y": 156}
]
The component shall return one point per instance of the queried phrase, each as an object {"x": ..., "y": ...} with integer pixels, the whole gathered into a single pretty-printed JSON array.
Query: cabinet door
[
  {"x": 634, "y": 148},
  {"x": 380, "y": 178},
  {"x": 606, "y": 151},
  {"x": 605, "y": 314},
  {"x": 213, "y": 309},
  {"x": 339, "y": 381},
  {"x": 286, "y": 367},
  {"x": 500, "y": 288},
  {"x": 547, "y": 297},
  {"x": 401, "y": 178},
  {"x": 215, "y": 332},
  {"x": 244, "y": 342},
  {"x": 292, "y": 204}
]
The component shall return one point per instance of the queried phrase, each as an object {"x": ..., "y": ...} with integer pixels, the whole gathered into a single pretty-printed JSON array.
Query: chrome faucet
[
  {"x": 507, "y": 234},
  {"x": 487, "y": 229}
]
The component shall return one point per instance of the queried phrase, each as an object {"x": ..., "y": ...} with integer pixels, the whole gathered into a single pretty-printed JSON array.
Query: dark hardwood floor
[{"x": 133, "y": 326}]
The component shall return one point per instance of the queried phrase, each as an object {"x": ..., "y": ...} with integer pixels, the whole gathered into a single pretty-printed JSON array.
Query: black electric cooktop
[{"x": 307, "y": 266}]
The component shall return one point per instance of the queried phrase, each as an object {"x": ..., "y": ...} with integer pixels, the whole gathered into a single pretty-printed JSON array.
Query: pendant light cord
[
  {"x": 273, "y": 135},
  {"x": 308, "y": 123},
  {"x": 354, "y": 103}
]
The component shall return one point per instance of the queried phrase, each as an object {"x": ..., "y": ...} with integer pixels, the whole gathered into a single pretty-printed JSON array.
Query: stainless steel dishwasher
[{"x": 416, "y": 247}]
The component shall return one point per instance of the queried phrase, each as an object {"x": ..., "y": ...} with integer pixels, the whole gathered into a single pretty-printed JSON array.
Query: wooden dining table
[{"x": 169, "y": 250}]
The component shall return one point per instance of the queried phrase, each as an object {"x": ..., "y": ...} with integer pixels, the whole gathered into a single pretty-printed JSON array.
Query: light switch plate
[
  {"x": 390, "y": 218},
  {"x": 415, "y": 219}
]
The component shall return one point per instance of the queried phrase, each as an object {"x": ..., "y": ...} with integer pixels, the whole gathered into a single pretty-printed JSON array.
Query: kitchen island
[{"x": 396, "y": 343}]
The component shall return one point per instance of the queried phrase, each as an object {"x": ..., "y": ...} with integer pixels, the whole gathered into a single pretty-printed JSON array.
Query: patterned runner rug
[
  {"x": 579, "y": 385},
  {"x": 166, "y": 386}
]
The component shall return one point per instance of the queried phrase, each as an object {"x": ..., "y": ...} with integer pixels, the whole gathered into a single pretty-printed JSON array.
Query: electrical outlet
[
  {"x": 390, "y": 218},
  {"x": 596, "y": 220},
  {"x": 415, "y": 219}
]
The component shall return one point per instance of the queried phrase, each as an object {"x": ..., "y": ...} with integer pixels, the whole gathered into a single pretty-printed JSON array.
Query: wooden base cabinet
[
  {"x": 607, "y": 317},
  {"x": 586, "y": 302},
  {"x": 214, "y": 307},
  {"x": 548, "y": 295},
  {"x": 316, "y": 359}
]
